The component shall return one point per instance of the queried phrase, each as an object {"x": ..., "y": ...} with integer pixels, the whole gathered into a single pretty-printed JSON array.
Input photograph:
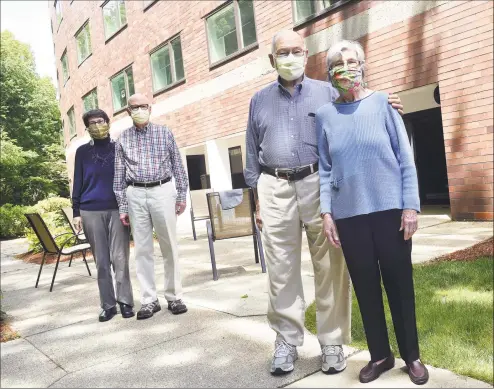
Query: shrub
[
  {"x": 50, "y": 211},
  {"x": 13, "y": 223}
]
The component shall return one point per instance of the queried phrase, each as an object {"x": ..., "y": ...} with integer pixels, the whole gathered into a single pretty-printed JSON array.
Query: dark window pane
[
  {"x": 246, "y": 8},
  {"x": 161, "y": 67},
  {"x": 130, "y": 82},
  {"x": 119, "y": 92},
  {"x": 304, "y": 9},
  {"x": 222, "y": 34},
  {"x": 179, "y": 63}
]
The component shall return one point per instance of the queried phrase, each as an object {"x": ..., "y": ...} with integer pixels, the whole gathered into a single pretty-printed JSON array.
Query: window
[
  {"x": 122, "y": 86},
  {"x": 71, "y": 117},
  {"x": 65, "y": 67},
  {"x": 62, "y": 138},
  {"x": 83, "y": 40},
  {"x": 167, "y": 64},
  {"x": 90, "y": 100},
  {"x": 231, "y": 29},
  {"x": 114, "y": 17},
  {"x": 303, "y": 9},
  {"x": 58, "y": 11}
]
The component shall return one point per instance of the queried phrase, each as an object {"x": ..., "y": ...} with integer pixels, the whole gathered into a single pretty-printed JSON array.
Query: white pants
[
  {"x": 284, "y": 207},
  {"x": 148, "y": 208}
]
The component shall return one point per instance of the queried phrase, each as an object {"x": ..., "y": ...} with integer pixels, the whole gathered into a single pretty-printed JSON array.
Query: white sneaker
[
  {"x": 333, "y": 359},
  {"x": 284, "y": 356}
]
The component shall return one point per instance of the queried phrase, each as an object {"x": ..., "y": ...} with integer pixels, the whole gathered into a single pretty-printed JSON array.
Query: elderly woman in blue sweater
[
  {"x": 95, "y": 208},
  {"x": 369, "y": 203}
]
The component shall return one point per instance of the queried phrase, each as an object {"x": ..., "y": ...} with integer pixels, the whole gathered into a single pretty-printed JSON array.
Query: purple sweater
[{"x": 93, "y": 177}]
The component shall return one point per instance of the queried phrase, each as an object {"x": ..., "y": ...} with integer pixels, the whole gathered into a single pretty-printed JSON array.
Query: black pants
[{"x": 374, "y": 247}]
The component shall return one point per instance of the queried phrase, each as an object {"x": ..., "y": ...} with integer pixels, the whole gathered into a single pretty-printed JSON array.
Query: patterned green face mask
[
  {"x": 98, "y": 131},
  {"x": 346, "y": 80}
]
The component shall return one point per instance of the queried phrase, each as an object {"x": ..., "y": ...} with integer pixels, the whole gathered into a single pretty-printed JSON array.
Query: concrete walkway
[{"x": 223, "y": 341}]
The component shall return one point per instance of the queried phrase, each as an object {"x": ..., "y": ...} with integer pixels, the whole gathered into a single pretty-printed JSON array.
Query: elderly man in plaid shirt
[{"x": 146, "y": 158}]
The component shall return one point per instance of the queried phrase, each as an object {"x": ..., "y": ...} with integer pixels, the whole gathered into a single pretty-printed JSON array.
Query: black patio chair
[
  {"x": 198, "y": 207},
  {"x": 233, "y": 223},
  {"x": 67, "y": 213},
  {"x": 50, "y": 246}
]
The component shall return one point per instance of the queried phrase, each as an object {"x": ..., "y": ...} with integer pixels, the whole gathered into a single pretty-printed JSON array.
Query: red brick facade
[{"x": 450, "y": 44}]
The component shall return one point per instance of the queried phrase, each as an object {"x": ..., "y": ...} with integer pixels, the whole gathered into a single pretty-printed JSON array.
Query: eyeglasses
[
  {"x": 297, "y": 52},
  {"x": 97, "y": 121},
  {"x": 350, "y": 64},
  {"x": 135, "y": 108}
]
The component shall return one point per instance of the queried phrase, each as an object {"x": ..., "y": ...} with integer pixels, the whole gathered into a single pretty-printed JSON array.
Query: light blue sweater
[{"x": 365, "y": 159}]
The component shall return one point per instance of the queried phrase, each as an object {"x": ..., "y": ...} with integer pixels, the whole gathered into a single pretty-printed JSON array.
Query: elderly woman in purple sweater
[
  {"x": 369, "y": 200},
  {"x": 95, "y": 207}
]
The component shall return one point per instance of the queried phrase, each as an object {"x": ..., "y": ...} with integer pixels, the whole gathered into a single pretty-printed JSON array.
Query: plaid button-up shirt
[{"x": 147, "y": 155}]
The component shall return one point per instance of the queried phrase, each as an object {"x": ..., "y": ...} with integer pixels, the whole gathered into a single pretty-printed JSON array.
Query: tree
[
  {"x": 32, "y": 162},
  {"x": 28, "y": 107}
]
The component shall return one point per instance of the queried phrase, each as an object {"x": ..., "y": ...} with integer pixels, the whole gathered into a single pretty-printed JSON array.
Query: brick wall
[
  {"x": 146, "y": 30},
  {"x": 451, "y": 44}
]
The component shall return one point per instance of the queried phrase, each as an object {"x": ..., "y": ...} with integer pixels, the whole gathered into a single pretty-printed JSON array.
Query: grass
[{"x": 454, "y": 303}]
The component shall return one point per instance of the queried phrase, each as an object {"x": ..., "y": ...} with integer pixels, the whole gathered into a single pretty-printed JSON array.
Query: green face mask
[{"x": 99, "y": 131}]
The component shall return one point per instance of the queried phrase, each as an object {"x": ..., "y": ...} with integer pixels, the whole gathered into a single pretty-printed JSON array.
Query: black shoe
[
  {"x": 148, "y": 310},
  {"x": 373, "y": 370},
  {"x": 418, "y": 373},
  {"x": 107, "y": 314},
  {"x": 126, "y": 310},
  {"x": 177, "y": 307}
]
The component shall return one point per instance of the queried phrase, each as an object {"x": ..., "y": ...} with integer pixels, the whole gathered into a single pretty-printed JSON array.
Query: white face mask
[
  {"x": 141, "y": 116},
  {"x": 291, "y": 67}
]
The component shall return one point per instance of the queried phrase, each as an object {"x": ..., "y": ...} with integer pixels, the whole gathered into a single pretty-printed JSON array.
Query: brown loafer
[
  {"x": 418, "y": 373},
  {"x": 372, "y": 371}
]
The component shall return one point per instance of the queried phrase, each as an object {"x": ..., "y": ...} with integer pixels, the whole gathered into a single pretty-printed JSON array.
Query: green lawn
[{"x": 454, "y": 302}]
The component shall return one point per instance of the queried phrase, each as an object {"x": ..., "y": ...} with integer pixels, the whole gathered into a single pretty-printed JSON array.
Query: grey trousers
[{"x": 109, "y": 240}]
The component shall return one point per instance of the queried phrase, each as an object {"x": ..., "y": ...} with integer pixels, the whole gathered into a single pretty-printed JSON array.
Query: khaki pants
[
  {"x": 284, "y": 207},
  {"x": 148, "y": 208}
]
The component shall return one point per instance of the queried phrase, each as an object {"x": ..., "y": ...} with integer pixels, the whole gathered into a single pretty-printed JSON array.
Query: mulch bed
[
  {"x": 36, "y": 258},
  {"x": 482, "y": 249},
  {"x": 31, "y": 257},
  {"x": 6, "y": 332}
]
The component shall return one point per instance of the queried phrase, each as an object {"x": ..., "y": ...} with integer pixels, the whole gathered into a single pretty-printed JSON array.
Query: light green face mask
[
  {"x": 291, "y": 67},
  {"x": 99, "y": 131},
  {"x": 141, "y": 116}
]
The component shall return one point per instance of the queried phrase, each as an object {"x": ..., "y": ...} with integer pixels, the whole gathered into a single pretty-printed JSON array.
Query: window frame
[
  {"x": 320, "y": 11},
  {"x": 86, "y": 23},
  {"x": 120, "y": 110},
  {"x": 56, "y": 2},
  {"x": 122, "y": 27},
  {"x": 149, "y": 5},
  {"x": 74, "y": 134},
  {"x": 174, "y": 82},
  {"x": 240, "y": 51},
  {"x": 64, "y": 54},
  {"x": 95, "y": 89}
]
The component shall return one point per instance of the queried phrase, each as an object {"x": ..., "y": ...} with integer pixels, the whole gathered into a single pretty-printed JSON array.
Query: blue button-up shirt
[{"x": 281, "y": 131}]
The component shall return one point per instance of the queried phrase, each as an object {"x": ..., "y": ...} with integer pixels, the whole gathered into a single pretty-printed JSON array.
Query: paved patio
[{"x": 223, "y": 341}]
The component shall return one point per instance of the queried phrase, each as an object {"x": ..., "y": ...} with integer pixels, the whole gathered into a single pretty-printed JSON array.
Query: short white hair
[{"x": 334, "y": 52}]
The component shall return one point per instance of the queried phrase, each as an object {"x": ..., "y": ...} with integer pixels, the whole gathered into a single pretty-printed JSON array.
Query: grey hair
[{"x": 334, "y": 52}]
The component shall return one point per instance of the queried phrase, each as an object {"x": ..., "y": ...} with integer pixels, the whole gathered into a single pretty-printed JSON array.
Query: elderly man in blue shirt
[{"x": 282, "y": 167}]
